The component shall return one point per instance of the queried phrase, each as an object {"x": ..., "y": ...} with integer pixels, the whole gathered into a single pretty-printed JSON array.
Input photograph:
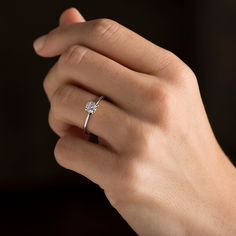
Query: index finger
[{"x": 111, "y": 39}]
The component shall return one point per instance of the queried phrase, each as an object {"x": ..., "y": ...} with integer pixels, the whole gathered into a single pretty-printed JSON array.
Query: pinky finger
[{"x": 90, "y": 160}]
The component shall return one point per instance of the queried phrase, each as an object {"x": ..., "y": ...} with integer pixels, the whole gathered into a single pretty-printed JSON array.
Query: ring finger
[{"x": 68, "y": 107}]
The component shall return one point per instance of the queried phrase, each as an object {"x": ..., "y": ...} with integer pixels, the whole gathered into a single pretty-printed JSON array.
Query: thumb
[{"x": 70, "y": 16}]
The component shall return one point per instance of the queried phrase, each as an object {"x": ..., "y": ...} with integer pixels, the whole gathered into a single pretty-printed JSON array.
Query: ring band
[{"x": 91, "y": 108}]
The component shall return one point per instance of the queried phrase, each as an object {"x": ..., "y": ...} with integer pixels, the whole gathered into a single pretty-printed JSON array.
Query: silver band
[{"x": 91, "y": 108}]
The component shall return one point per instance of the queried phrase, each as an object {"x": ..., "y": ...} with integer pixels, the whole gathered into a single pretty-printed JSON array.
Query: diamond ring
[{"x": 91, "y": 108}]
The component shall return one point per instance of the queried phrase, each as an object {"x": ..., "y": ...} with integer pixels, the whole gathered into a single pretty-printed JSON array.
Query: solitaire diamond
[{"x": 91, "y": 107}]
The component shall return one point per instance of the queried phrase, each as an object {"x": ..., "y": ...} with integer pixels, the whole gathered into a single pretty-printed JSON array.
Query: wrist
[
  {"x": 221, "y": 210},
  {"x": 227, "y": 217},
  {"x": 227, "y": 207},
  {"x": 213, "y": 221}
]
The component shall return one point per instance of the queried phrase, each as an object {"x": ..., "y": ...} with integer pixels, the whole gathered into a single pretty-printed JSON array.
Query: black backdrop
[{"x": 38, "y": 197}]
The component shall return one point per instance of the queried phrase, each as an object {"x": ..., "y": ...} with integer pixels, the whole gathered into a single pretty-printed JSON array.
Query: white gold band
[{"x": 91, "y": 108}]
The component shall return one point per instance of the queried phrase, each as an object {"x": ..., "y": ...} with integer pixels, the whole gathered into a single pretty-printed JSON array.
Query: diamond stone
[{"x": 91, "y": 107}]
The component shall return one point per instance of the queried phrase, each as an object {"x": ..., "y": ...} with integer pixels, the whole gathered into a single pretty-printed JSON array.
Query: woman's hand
[{"x": 158, "y": 162}]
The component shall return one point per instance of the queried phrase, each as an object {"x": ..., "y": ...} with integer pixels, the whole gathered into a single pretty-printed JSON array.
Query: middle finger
[{"x": 99, "y": 75}]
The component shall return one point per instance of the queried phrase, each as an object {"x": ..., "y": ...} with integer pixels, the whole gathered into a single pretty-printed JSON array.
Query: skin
[{"x": 158, "y": 160}]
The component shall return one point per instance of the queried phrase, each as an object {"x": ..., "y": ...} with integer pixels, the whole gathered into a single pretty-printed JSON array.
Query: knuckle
[
  {"x": 47, "y": 83},
  {"x": 61, "y": 151},
  {"x": 152, "y": 94},
  {"x": 182, "y": 73},
  {"x": 53, "y": 124},
  {"x": 51, "y": 121},
  {"x": 185, "y": 78},
  {"x": 163, "y": 98},
  {"x": 73, "y": 56},
  {"x": 179, "y": 74},
  {"x": 165, "y": 106},
  {"x": 62, "y": 97},
  {"x": 105, "y": 27}
]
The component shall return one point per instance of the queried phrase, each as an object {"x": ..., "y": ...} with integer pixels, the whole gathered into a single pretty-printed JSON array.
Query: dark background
[{"x": 37, "y": 196}]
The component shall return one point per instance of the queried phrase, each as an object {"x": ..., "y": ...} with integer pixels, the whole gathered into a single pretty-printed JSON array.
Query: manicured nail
[{"x": 39, "y": 43}]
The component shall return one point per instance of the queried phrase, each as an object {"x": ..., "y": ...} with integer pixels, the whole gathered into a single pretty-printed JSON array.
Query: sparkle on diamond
[{"x": 91, "y": 107}]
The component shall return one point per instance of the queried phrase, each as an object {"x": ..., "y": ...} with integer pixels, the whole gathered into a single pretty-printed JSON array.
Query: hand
[{"x": 158, "y": 162}]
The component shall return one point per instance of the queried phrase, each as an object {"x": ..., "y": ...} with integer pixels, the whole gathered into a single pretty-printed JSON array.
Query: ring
[{"x": 91, "y": 108}]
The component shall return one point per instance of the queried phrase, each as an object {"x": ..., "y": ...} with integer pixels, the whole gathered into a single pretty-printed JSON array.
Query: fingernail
[{"x": 39, "y": 43}]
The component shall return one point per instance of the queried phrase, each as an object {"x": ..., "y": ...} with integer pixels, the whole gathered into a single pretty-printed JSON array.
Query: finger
[
  {"x": 64, "y": 129},
  {"x": 101, "y": 76},
  {"x": 68, "y": 106},
  {"x": 70, "y": 16},
  {"x": 91, "y": 160},
  {"x": 110, "y": 39}
]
